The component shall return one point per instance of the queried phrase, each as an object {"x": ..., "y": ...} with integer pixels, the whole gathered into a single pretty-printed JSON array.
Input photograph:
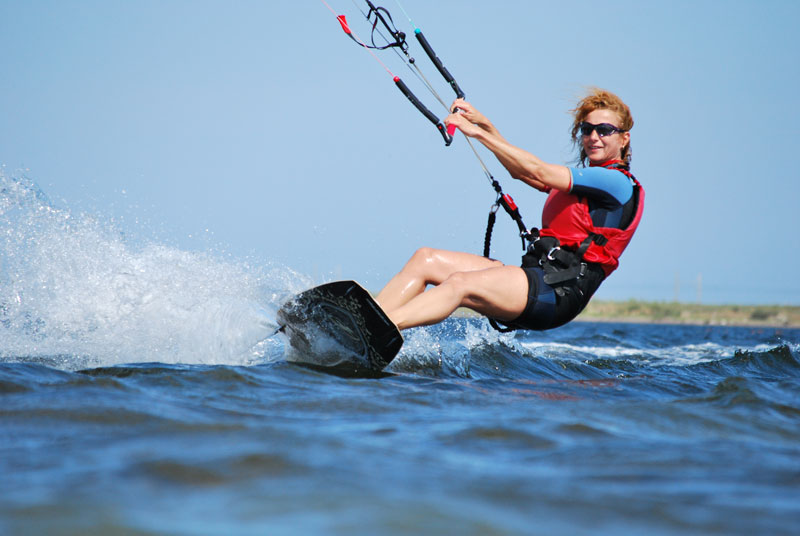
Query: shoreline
[
  {"x": 677, "y": 313},
  {"x": 635, "y": 311}
]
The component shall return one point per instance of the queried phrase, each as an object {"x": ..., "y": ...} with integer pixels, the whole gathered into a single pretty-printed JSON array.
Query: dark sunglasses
[{"x": 603, "y": 129}]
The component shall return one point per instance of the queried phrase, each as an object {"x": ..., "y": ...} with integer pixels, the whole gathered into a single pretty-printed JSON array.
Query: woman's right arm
[{"x": 521, "y": 164}]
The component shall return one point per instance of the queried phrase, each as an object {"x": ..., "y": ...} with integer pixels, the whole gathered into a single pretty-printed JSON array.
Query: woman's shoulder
[{"x": 594, "y": 179}]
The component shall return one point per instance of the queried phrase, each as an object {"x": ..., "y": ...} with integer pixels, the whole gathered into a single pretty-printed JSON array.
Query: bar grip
[
  {"x": 448, "y": 139},
  {"x": 438, "y": 63}
]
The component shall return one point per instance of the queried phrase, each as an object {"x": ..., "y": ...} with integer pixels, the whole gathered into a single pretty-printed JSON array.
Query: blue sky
[{"x": 258, "y": 130}]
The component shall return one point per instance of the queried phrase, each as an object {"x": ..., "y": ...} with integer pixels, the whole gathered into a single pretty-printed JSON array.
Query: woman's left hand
[
  {"x": 460, "y": 121},
  {"x": 469, "y": 120}
]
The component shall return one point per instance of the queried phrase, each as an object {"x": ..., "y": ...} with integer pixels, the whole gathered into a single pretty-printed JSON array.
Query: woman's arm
[{"x": 521, "y": 164}]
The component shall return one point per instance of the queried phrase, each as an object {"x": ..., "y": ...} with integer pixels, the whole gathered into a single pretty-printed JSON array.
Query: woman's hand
[
  {"x": 469, "y": 112},
  {"x": 468, "y": 119},
  {"x": 463, "y": 124}
]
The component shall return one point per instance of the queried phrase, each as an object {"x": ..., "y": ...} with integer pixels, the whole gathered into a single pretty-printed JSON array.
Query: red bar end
[{"x": 510, "y": 201}]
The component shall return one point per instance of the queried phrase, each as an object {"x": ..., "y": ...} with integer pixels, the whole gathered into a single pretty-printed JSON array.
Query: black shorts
[{"x": 549, "y": 307}]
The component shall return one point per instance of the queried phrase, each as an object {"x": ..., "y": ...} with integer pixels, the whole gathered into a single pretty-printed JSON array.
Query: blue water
[{"x": 140, "y": 393}]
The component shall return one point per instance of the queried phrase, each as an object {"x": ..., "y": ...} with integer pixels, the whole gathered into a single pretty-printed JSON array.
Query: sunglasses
[{"x": 603, "y": 129}]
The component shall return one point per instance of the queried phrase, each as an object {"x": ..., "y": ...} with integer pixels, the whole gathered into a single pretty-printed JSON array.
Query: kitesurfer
[{"x": 589, "y": 218}]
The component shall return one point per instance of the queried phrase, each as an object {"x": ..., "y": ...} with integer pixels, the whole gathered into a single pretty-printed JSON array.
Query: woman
[{"x": 587, "y": 220}]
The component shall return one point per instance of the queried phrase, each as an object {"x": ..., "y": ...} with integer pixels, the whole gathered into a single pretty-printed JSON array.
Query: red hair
[{"x": 600, "y": 99}]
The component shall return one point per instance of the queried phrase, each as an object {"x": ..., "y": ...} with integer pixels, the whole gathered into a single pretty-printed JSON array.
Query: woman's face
[{"x": 601, "y": 149}]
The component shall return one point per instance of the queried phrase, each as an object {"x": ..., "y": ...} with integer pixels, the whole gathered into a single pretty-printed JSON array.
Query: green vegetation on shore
[{"x": 690, "y": 313}]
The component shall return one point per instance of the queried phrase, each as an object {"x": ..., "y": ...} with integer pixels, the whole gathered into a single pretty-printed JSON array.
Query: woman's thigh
[{"x": 499, "y": 292}]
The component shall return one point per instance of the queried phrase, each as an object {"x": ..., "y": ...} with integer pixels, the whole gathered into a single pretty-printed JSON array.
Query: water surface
[{"x": 141, "y": 393}]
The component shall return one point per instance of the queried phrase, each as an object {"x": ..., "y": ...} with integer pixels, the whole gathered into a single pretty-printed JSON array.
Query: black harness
[{"x": 561, "y": 265}]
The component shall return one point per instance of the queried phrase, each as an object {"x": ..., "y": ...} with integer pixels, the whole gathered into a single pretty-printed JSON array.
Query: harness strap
[
  {"x": 498, "y": 327},
  {"x": 597, "y": 238}
]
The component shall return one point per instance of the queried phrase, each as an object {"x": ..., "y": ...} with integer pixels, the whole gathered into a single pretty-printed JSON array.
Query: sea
[{"x": 143, "y": 392}]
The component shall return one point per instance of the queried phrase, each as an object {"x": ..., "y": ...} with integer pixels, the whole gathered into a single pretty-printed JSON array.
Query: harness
[{"x": 560, "y": 264}]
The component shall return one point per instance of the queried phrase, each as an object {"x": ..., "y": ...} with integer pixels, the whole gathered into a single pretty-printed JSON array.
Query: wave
[
  {"x": 469, "y": 348},
  {"x": 760, "y": 384}
]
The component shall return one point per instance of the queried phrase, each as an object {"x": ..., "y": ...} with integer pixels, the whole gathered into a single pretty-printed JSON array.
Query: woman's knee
[
  {"x": 422, "y": 260},
  {"x": 424, "y": 255},
  {"x": 458, "y": 284}
]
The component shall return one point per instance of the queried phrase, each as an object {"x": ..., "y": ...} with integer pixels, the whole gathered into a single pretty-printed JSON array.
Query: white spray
[{"x": 74, "y": 293}]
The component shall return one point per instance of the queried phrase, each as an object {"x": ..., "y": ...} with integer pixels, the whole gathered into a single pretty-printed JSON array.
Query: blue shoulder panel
[
  {"x": 607, "y": 191},
  {"x": 594, "y": 180}
]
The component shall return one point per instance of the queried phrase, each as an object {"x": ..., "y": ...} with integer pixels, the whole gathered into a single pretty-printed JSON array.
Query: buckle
[{"x": 550, "y": 253}]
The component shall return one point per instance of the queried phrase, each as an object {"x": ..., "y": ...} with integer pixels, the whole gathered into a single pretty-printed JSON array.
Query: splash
[{"x": 74, "y": 292}]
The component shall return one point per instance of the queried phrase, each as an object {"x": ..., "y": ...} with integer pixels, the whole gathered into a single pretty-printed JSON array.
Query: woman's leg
[
  {"x": 499, "y": 292},
  {"x": 428, "y": 266}
]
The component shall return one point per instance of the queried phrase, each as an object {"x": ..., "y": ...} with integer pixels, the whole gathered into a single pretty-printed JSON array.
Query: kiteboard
[{"x": 339, "y": 328}]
